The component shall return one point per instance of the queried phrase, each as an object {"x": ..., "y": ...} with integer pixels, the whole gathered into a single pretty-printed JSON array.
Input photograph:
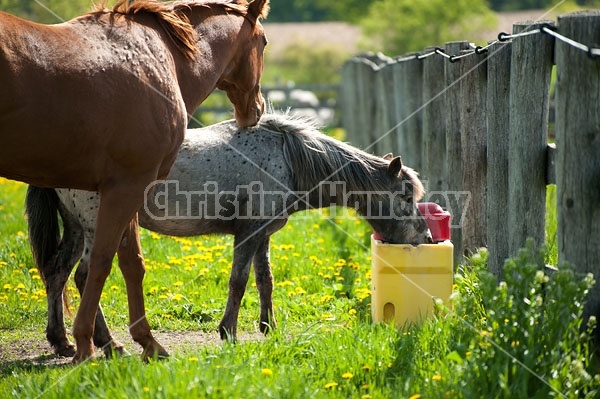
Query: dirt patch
[{"x": 35, "y": 351}]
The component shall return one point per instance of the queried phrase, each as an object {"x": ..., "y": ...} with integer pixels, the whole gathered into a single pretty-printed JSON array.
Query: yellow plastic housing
[{"x": 408, "y": 279}]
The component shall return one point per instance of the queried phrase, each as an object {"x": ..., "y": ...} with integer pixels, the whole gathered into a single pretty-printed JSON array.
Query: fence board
[
  {"x": 453, "y": 179},
  {"x": 498, "y": 92},
  {"x": 473, "y": 139},
  {"x": 578, "y": 147},
  {"x": 531, "y": 68},
  {"x": 433, "y": 171},
  {"x": 385, "y": 124},
  {"x": 407, "y": 89}
]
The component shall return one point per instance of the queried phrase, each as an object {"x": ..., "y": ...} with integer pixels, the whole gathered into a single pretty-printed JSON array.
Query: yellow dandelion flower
[
  {"x": 7, "y": 286},
  {"x": 266, "y": 372},
  {"x": 146, "y": 389},
  {"x": 436, "y": 377},
  {"x": 352, "y": 311},
  {"x": 115, "y": 288},
  {"x": 331, "y": 385},
  {"x": 178, "y": 283},
  {"x": 366, "y": 396},
  {"x": 177, "y": 297},
  {"x": 416, "y": 396},
  {"x": 20, "y": 286},
  {"x": 193, "y": 359},
  {"x": 347, "y": 376},
  {"x": 367, "y": 367}
]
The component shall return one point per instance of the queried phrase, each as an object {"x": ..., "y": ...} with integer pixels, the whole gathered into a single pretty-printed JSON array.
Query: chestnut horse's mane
[{"x": 172, "y": 18}]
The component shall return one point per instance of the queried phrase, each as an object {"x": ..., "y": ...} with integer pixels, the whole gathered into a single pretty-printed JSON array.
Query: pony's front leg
[
  {"x": 131, "y": 263},
  {"x": 118, "y": 206},
  {"x": 264, "y": 283},
  {"x": 243, "y": 252}
]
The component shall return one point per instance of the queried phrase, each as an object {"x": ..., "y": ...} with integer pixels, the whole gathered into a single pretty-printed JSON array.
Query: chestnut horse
[
  {"x": 231, "y": 181},
  {"x": 101, "y": 103}
]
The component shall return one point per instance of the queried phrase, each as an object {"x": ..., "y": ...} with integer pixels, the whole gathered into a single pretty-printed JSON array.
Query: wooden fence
[{"x": 476, "y": 129}]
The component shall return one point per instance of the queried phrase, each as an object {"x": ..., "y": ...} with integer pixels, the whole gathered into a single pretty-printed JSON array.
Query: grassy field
[{"x": 520, "y": 338}]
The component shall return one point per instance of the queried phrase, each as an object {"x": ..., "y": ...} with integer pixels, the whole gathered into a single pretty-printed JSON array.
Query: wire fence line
[{"x": 476, "y": 119}]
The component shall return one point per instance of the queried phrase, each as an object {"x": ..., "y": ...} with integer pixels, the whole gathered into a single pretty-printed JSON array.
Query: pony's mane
[
  {"x": 171, "y": 16},
  {"x": 320, "y": 157}
]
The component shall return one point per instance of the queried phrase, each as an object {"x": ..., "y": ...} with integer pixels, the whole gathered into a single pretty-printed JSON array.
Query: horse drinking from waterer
[
  {"x": 227, "y": 180},
  {"x": 101, "y": 103}
]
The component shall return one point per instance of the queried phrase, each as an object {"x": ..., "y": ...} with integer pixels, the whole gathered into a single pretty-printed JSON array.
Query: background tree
[{"x": 399, "y": 26}]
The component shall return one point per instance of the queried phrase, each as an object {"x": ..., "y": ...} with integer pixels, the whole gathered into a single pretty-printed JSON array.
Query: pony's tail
[{"x": 41, "y": 210}]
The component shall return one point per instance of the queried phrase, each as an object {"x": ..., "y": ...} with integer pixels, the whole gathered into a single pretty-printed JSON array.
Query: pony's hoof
[
  {"x": 227, "y": 334},
  {"x": 67, "y": 350},
  {"x": 266, "y": 328}
]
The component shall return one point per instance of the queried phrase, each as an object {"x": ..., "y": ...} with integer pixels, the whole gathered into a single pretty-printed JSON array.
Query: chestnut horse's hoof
[
  {"x": 81, "y": 356},
  {"x": 115, "y": 349},
  {"x": 154, "y": 352}
]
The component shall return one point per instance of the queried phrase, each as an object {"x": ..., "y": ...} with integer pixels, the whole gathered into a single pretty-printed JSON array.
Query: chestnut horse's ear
[
  {"x": 389, "y": 156},
  {"x": 395, "y": 167},
  {"x": 258, "y": 9}
]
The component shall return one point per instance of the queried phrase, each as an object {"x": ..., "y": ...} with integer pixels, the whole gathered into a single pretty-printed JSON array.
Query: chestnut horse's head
[{"x": 241, "y": 81}]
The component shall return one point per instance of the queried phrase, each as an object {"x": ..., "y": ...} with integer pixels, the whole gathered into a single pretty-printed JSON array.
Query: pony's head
[
  {"x": 241, "y": 81},
  {"x": 396, "y": 218}
]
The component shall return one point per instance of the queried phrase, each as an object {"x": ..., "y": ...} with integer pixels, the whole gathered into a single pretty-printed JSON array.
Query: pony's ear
[
  {"x": 259, "y": 9},
  {"x": 395, "y": 167},
  {"x": 389, "y": 156}
]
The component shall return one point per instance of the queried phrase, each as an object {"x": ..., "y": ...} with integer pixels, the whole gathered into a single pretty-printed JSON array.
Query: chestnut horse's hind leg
[
  {"x": 264, "y": 283},
  {"x": 118, "y": 207},
  {"x": 131, "y": 263}
]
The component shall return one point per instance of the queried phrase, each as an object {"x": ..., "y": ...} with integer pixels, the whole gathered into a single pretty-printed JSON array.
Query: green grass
[{"x": 520, "y": 338}]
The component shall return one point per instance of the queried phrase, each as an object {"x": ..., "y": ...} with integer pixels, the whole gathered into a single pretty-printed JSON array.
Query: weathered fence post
[
  {"x": 498, "y": 90},
  {"x": 434, "y": 128},
  {"x": 453, "y": 179},
  {"x": 531, "y": 69},
  {"x": 407, "y": 89},
  {"x": 578, "y": 150},
  {"x": 473, "y": 126}
]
